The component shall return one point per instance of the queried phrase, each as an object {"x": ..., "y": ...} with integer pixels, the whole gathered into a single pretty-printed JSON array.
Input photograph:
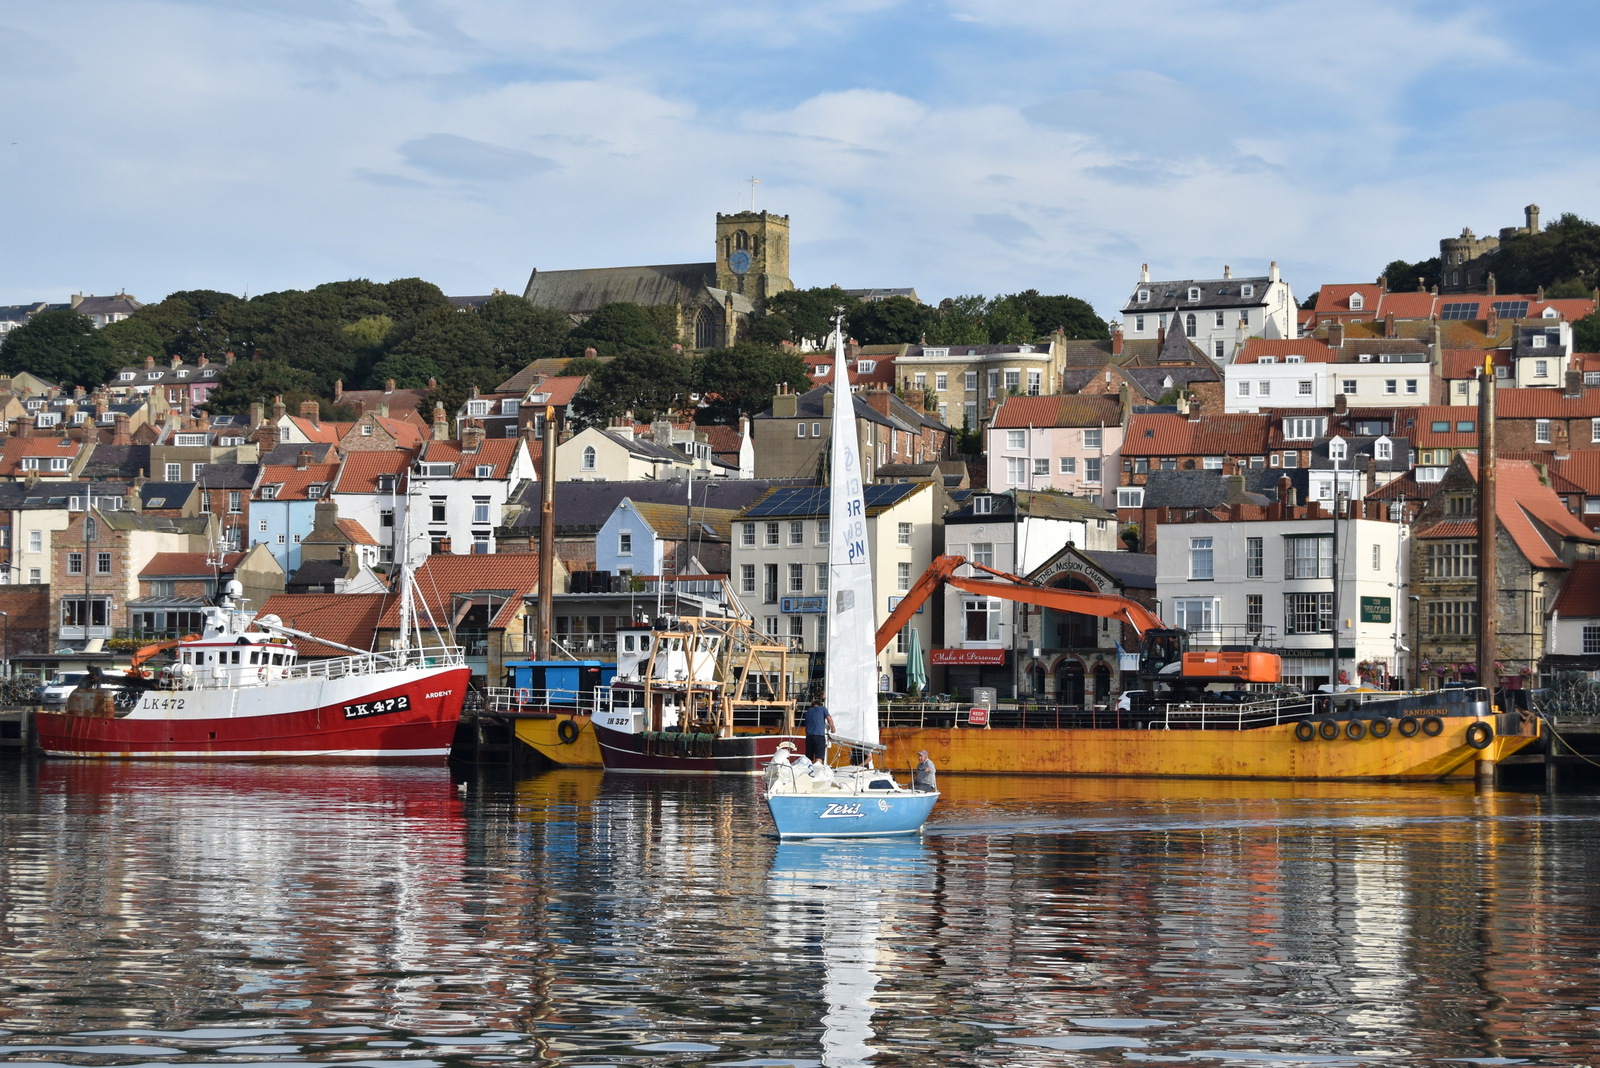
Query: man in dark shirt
[{"x": 818, "y": 723}]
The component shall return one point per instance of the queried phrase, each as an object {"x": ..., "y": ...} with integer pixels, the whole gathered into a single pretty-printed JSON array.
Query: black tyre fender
[
  {"x": 1408, "y": 726},
  {"x": 1355, "y": 730},
  {"x": 567, "y": 730},
  {"x": 1433, "y": 726},
  {"x": 1479, "y": 735},
  {"x": 1305, "y": 731},
  {"x": 1328, "y": 729},
  {"x": 1379, "y": 728}
]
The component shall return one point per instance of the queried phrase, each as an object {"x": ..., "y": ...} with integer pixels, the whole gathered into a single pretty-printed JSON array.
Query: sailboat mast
[{"x": 1487, "y": 525}]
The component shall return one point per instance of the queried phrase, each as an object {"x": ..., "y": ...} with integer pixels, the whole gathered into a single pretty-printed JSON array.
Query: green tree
[
  {"x": 1075, "y": 317},
  {"x": 61, "y": 346},
  {"x": 646, "y": 382},
  {"x": 412, "y": 298},
  {"x": 959, "y": 321},
  {"x": 1006, "y": 321},
  {"x": 1403, "y": 276},
  {"x": 741, "y": 380},
  {"x": 1586, "y": 333},
  {"x": 804, "y": 315},
  {"x": 132, "y": 340},
  {"x": 1566, "y": 250},
  {"x": 524, "y": 332},
  {"x": 615, "y": 329},
  {"x": 258, "y": 381},
  {"x": 892, "y": 321}
]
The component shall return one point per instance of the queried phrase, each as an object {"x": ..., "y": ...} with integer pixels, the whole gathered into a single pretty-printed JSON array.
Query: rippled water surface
[{"x": 229, "y": 915}]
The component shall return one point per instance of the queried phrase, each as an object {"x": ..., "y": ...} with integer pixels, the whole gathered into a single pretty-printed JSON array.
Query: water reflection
[{"x": 379, "y": 915}]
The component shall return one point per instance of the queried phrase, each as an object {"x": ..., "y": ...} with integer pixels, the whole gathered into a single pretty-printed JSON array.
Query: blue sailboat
[{"x": 850, "y": 801}]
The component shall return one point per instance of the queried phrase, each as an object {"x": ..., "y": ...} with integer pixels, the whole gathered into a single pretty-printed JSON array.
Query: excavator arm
[
  {"x": 1013, "y": 588},
  {"x": 147, "y": 651}
]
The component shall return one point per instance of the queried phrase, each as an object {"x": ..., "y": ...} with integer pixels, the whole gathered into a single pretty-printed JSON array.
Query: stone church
[{"x": 715, "y": 302}]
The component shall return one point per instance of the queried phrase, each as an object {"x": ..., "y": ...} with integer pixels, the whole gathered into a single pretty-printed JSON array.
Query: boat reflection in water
[{"x": 827, "y": 898}]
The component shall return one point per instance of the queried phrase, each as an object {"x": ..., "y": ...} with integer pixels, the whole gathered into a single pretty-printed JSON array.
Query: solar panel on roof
[
  {"x": 1511, "y": 309},
  {"x": 1467, "y": 310}
]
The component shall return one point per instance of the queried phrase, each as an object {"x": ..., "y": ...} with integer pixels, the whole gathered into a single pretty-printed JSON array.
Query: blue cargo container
[{"x": 566, "y": 681}]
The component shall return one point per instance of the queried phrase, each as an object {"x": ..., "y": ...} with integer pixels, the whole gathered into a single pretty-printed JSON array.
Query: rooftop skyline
[{"x": 956, "y": 146}]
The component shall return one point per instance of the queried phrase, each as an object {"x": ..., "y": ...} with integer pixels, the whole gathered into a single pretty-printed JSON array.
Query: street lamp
[{"x": 5, "y": 646}]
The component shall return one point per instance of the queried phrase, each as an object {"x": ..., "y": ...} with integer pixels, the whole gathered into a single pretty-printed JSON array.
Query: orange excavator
[{"x": 1164, "y": 659}]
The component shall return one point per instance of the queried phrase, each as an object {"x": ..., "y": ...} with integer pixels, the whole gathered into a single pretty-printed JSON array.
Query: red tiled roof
[
  {"x": 725, "y": 441},
  {"x": 1313, "y": 350},
  {"x": 17, "y": 448},
  {"x": 407, "y": 433},
  {"x": 322, "y": 432},
  {"x": 292, "y": 480},
  {"x": 360, "y": 471},
  {"x": 1451, "y": 528},
  {"x": 187, "y": 565},
  {"x": 1404, "y": 488},
  {"x": 443, "y": 575},
  {"x": 1084, "y": 409},
  {"x": 1520, "y": 500},
  {"x": 1466, "y": 363},
  {"x": 353, "y": 530},
  {"x": 1580, "y": 593},
  {"x": 1163, "y": 434},
  {"x": 1454, "y": 414},
  {"x": 1534, "y": 402},
  {"x": 561, "y": 389},
  {"x": 1335, "y": 299},
  {"x": 498, "y": 452},
  {"x": 1414, "y": 304},
  {"x": 348, "y": 618}
]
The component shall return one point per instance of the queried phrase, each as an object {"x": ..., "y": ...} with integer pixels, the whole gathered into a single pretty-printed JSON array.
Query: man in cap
[{"x": 925, "y": 779}]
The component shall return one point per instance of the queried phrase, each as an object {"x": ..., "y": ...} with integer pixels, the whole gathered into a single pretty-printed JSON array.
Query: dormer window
[
  {"x": 153, "y": 376},
  {"x": 1294, "y": 359},
  {"x": 866, "y": 367},
  {"x": 1336, "y": 450},
  {"x": 1267, "y": 359},
  {"x": 385, "y": 483},
  {"x": 127, "y": 376},
  {"x": 1537, "y": 341},
  {"x": 1144, "y": 296},
  {"x": 313, "y": 493},
  {"x": 484, "y": 471},
  {"x": 269, "y": 492},
  {"x": 539, "y": 398},
  {"x": 1194, "y": 293},
  {"x": 191, "y": 439},
  {"x": 1247, "y": 290},
  {"x": 982, "y": 505},
  {"x": 509, "y": 406},
  {"x": 1356, "y": 302},
  {"x": 180, "y": 373},
  {"x": 1383, "y": 449}
]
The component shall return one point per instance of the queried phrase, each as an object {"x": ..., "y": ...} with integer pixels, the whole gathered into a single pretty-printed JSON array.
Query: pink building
[{"x": 1067, "y": 443}]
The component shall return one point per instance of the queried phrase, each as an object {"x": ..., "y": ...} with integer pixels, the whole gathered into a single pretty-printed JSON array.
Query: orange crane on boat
[{"x": 1164, "y": 654}]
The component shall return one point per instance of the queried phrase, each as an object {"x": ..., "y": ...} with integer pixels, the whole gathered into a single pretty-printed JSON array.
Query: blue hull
[{"x": 849, "y": 815}]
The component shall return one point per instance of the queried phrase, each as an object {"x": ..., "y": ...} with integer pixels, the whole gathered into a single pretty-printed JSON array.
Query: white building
[
  {"x": 779, "y": 563},
  {"x": 1230, "y": 583},
  {"x": 457, "y": 491},
  {"x": 371, "y": 489},
  {"x": 1217, "y": 314},
  {"x": 1308, "y": 373}
]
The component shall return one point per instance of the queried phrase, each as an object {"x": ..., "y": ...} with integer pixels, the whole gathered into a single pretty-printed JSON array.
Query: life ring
[
  {"x": 567, "y": 731},
  {"x": 1378, "y": 728},
  {"x": 1408, "y": 726},
  {"x": 1355, "y": 730},
  {"x": 262, "y": 674},
  {"x": 1304, "y": 731},
  {"x": 1328, "y": 729},
  {"x": 1479, "y": 735},
  {"x": 524, "y": 695},
  {"x": 1432, "y": 726}
]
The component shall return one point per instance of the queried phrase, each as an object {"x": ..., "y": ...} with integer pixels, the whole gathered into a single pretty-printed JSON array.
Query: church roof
[
  {"x": 581, "y": 292},
  {"x": 741, "y": 303}
]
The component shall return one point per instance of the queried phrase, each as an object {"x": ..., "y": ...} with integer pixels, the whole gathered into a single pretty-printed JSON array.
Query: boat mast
[
  {"x": 547, "y": 537},
  {"x": 1487, "y": 601}
]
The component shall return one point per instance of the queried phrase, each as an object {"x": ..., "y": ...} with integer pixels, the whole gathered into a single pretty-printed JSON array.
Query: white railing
[
  {"x": 205, "y": 676},
  {"x": 514, "y": 701}
]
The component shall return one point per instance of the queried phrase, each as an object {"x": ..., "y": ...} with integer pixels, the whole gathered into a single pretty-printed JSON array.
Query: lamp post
[{"x": 5, "y": 646}]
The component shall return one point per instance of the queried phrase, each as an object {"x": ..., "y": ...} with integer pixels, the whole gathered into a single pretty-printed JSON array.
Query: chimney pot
[
  {"x": 388, "y": 384},
  {"x": 303, "y": 460}
]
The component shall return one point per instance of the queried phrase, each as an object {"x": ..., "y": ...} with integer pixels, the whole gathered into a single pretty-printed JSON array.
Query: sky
[{"x": 955, "y": 146}]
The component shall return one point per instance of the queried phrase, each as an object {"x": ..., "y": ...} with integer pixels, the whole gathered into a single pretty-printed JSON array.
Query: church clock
[{"x": 739, "y": 261}]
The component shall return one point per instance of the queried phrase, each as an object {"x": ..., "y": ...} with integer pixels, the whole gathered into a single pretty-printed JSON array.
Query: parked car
[{"x": 56, "y": 692}]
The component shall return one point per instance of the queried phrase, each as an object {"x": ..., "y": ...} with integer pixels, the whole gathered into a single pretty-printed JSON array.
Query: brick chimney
[
  {"x": 120, "y": 434},
  {"x": 1335, "y": 335},
  {"x": 256, "y": 412},
  {"x": 1539, "y": 295},
  {"x": 1490, "y": 280},
  {"x": 852, "y": 351},
  {"x": 25, "y": 426},
  {"x": 1341, "y": 403},
  {"x": 1161, "y": 338},
  {"x": 268, "y": 436},
  {"x": 471, "y": 438},
  {"x": 227, "y": 361},
  {"x": 786, "y": 403},
  {"x": 1574, "y": 385},
  {"x": 278, "y": 409},
  {"x": 203, "y": 361},
  {"x": 877, "y": 399},
  {"x": 149, "y": 363},
  {"x": 338, "y": 390},
  {"x": 441, "y": 422},
  {"x": 309, "y": 411},
  {"x": 1388, "y": 325},
  {"x": 590, "y": 353},
  {"x": 303, "y": 460},
  {"x": 177, "y": 361},
  {"x": 1116, "y": 342},
  {"x": 388, "y": 385}
]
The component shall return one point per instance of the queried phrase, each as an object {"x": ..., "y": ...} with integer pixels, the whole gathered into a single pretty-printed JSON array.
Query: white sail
[{"x": 851, "y": 679}]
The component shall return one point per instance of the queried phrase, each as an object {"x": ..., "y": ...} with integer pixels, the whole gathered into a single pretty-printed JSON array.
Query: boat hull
[
  {"x": 406, "y": 716},
  {"x": 674, "y": 753},
  {"x": 1271, "y": 752},
  {"x": 863, "y": 815},
  {"x": 542, "y": 734}
]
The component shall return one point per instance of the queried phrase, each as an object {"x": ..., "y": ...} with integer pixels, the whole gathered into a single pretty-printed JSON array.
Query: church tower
[{"x": 753, "y": 255}]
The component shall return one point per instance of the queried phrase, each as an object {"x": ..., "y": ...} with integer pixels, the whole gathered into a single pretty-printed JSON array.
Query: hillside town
[{"x": 1255, "y": 466}]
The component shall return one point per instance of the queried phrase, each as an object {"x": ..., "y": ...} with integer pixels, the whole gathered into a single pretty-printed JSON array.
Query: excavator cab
[{"x": 1162, "y": 654}]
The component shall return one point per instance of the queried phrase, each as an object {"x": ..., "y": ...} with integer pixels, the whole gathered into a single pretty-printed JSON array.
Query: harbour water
[{"x": 157, "y": 915}]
